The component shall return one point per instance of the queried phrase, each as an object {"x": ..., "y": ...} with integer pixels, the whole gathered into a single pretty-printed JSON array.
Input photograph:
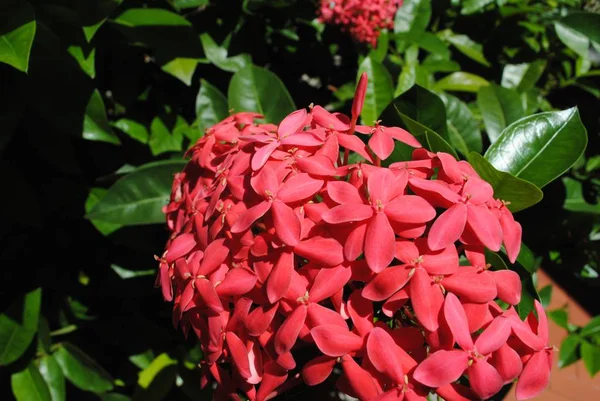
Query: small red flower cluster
[
  {"x": 281, "y": 249},
  {"x": 363, "y": 19}
]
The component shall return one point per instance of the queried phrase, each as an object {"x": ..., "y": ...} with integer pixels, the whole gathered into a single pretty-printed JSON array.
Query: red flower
[{"x": 281, "y": 252}]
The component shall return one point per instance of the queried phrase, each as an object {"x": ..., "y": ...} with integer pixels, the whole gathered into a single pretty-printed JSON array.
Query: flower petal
[
  {"x": 387, "y": 282},
  {"x": 441, "y": 368},
  {"x": 237, "y": 281},
  {"x": 534, "y": 378},
  {"x": 448, "y": 227},
  {"x": 385, "y": 355},
  {"x": 248, "y": 218},
  {"x": 299, "y": 187},
  {"x": 286, "y": 222},
  {"x": 361, "y": 383},
  {"x": 261, "y": 156},
  {"x": 457, "y": 321},
  {"x": 342, "y": 192},
  {"x": 380, "y": 243},
  {"x": 507, "y": 362},
  {"x": 427, "y": 299},
  {"x": 326, "y": 251},
  {"x": 329, "y": 281},
  {"x": 347, "y": 213},
  {"x": 334, "y": 340},
  {"x": 484, "y": 225},
  {"x": 381, "y": 144},
  {"x": 484, "y": 379},
  {"x": 494, "y": 336},
  {"x": 238, "y": 353},
  {"x": 291, "y": 124},
  {"x": 280, "y": 278},
  {"x": 410, "y": 209},
  {"x": 286, "y": 336},
  {"x": 508, "y": 285},
  {"x": 317, "y": 370}
]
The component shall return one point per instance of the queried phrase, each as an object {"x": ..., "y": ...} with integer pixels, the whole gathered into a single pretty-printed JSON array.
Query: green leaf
[
  {"x": 211, "y": 107},
  {"x": 423, "y": 114},
  {"x": 577, "y": 30},
  {"x": 95, "y": 124},
  {"x": 126, "y": 274},
  {"x": 379, "y": 89},
  {"x": 408, "y": 75},
  {"x": 574, "y": 40},
  {"x": 461, "y": 81},
  {"x": 574, "y": 200},
  {"x": 463, "y": 128},
  {"x": 133, "y": 129},
  {"x": 257, "y": 89},
  {"x": 590, "y": 354},
  {"x": 560, "y": 317},
  {"x": 473, "y": 6},
  {"x": 16, "y": 34},
  {"x": 569, "y": 350},
  {"x": 155, "y": 381},
  {"x": 218, "y": 55},
  {"x": 138, "y": 197},
  {"x": 499, "y": 107},
  {"x": 86, "y": 60},
  {"x": 546, "y": 295},
  {"x": 592, "y": 328},
  {"x": 18, "y": 325},
  {"x": 29, "y": 385},
  {"x": 527, "y": 259},
  {"x": 520, "y": 193},
  {"x": 523, "y": 77},
  {"x": 182, "y": 69},
  {"x": 82, "y": 370},
  {"x": 433, "y": 44},
  {"x": 166, "y": 133},
  {"x": 95, "y": 195},
  {"x": 540, "y": 147},
  {"x": 378, "y": 54},
  {"x": 183, "y": 4},
  {"x": 465, "y": 45},
  {"x": 136, "y": 17},
  {"x": 412, "y": 18},
  {"x": 54, "y": 377}
]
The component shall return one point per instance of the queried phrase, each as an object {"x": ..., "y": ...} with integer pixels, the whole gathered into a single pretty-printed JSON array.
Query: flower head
[{"x": 280, "y": 250}]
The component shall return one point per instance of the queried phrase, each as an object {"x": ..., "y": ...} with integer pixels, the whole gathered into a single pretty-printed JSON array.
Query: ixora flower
[
  {"x": 291, "y": 265},
  {"x": 363, "y": 19}
]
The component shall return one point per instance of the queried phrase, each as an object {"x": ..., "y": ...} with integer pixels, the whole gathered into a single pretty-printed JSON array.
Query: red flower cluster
[
  {"x": 363, "y": 19},
  {"x": 281, "y": 249}
]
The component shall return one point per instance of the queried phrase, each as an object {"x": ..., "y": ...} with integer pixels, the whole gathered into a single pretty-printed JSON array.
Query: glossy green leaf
[
  {"x": 578, "y": 30},
  {"x": 257, "y": 89},
  {"x": 114, "y": 397},
  {"x": 138, "y": 197},
  {"x": 81, "y": 370},
  {"x": 16, "y": 34},
  {"x": 18, "y": 325},
  {"x": 466, "y": 46},
  {"x": 520, "y": 193},
  {"x": 136, "y": 17},
  {"x": 412, "y": 18},
  {"x": 573, "y": 39},
  {"x": 592, "y": 328},
  {"x": 569, "y": 348},
  {"x": 499, "y": 107},
  {"x": 560, "y": 317},
  {"x": 183, "y": 4},
  {"x": 218, "y": 55},
  {"x": 379, "y": 90},
  {"x": 527, "y": 259},
  {"x": 166, "y": 133},
  {"x": 524, "y": 76},
  {"x": 590, "y": 353},
  {"x": 95, "y": 195},
  {"x": 434, "y": 64},
  {"x": 95, "y": 124},
  {"x": 461, "y": 81},
  {"x": 126, "y": 274},
  {"x": 546, "y": 295},
  {"x": 181, "y": 68},
  {"x": 155, "y": 381},
  {"x": 433, "y": 44},
  {"x": 408, "y": 75},
  {"x": 54, "y": 377},
  {"x": 29, "y": 385},
  {"x": 574, "y": 200},
  {"x": 211, "y": 107},
  {"x": 474, "y": 6},
  {"x": 463, "y": 128},
  {"x": 133, "y": 129},
  {"x": 540, "y": 147},
  {"x": 86, "y": 60},
  {"x": 378, "y": 53}
]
